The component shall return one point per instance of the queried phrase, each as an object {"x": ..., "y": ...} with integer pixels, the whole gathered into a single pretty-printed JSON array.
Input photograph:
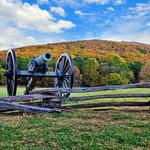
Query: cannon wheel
[
  {"x": 64, "y": 66},
  {"x": 11, "y": 73}
]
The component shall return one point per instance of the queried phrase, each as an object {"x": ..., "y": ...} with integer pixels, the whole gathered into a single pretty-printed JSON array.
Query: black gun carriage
[{"x": 38, "y": 68}]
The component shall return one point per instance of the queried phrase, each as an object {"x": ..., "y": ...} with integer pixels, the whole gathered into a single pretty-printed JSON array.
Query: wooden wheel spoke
[
  {"x": 67, "y": 81},
  {"x": 60, "y": 65},
  {"x": 66, "y": 70},
  {"x": 65, "y": 85},
  {"x": 64, "y": 63},
  {"x": 66, "y": 66},
  {"x": 59, "y": 83}
]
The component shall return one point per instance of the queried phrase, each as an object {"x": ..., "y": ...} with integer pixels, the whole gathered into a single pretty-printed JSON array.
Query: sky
[{"x": 32, "y": 22}]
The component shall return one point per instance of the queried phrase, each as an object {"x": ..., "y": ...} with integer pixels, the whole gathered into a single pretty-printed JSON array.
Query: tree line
[{"x": 111, "y": 69}]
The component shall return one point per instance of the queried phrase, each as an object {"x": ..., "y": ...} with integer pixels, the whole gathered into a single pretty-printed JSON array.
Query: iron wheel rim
[
  {"x": 12, "y": 67},
  {"x": 65, "y": 67}
]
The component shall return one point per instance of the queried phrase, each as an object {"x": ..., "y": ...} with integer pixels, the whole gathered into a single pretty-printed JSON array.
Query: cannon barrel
[
  {"x": 44, "y": 58},
  {"x": 40, "y": 61}
]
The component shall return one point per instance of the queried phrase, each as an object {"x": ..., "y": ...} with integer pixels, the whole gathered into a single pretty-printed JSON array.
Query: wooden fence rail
[
  {"x": 33, "y": 109},
  {"x": 84, "y": 98},
  {"x": 92, "y": 89},
  {"x": 107, "y": 104},
  {"x": 25, "y": 98}
]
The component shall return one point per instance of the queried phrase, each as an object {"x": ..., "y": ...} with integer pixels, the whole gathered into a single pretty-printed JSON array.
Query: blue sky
[{"x": 29, "y": 22}]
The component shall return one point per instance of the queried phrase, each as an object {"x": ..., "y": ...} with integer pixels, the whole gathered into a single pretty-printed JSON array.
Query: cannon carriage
[{"x": 38, "y": 68}]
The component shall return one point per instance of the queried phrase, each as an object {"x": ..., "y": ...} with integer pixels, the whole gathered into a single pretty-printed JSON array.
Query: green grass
[
  {"x": 119, "y": 129},
  {"x": 76, "y": 130},
  {"x": 3, "y": 91}
]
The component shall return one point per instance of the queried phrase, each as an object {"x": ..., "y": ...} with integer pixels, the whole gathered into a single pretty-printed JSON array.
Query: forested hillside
[
  {"x": 97, "y": 62},
  {"x": 131, "y": 51}
]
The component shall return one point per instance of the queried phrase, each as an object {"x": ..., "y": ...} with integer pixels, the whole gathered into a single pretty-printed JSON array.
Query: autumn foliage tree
[
  {"x": 78, "y": 77},
  {"x": 2, "y": 77},
  {"x": 145, "y": 72}
]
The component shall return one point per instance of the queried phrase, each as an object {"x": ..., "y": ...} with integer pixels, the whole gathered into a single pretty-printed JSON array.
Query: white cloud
[
  {"x": 80, "y": 13},
  {"x": 82, "y": 3},
  {"x": 85, "y": 14},
  {"x": 60, "y": 26},
  {"x": 58, "y": 10},
  {"x": 72, "y": 3},
  {"x": 110, "y": 9},
  {"x": 20, "y": 21},
  {"x": 31, "y": 17},
  {"x": 119, "y": 2},
  {"x": 131, "y": 26},
  {"x": 148, "y": 24},
  {"x": 140, "y": 10},
  {"x": 102, "y": 2},
  {"x": 12, "y": 37}
]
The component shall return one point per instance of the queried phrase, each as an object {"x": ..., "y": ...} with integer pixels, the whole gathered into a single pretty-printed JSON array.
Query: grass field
[{"x": 125, "y": 128}]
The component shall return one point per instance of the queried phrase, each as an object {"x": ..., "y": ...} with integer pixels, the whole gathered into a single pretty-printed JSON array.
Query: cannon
[{"x": 38, "y": 68}]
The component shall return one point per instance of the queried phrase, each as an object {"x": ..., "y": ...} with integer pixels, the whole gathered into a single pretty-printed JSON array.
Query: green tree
[
  {"x": 117, "y": 64},
  {"x": 116, "y": 79},
  {"x": 115, "y": 60},
  {"x": 79, "y": 61},
  {"x": 136, "y": 68},
  {"x": 2, "y": 77},
  {"x": 2, "y": 64},
  {"x": 22, "y": 63},
  {"x": 52, "y": 64},
  {"x": 90, "y": 75}
]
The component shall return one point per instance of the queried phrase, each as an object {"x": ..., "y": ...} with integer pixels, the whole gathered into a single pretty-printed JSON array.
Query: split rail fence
[{"x": 49, "y": 100}]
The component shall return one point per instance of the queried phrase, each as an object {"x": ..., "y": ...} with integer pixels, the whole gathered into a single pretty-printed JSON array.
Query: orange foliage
[{"x": 130, "y": 51}]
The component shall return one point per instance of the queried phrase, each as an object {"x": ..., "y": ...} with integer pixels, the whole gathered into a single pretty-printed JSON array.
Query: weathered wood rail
[
  {"x": 25, "y": 108},
  {"x": 51, "y": 101},
  {"x": 93, "y": 89},
  {"x": 106, "y": 96},
  {"x": 107, "y": 104},
  {"x": 25, "y": 98}
]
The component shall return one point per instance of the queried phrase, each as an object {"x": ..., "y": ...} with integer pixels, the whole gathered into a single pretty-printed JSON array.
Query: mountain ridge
[{"x": 131, "y": 51}]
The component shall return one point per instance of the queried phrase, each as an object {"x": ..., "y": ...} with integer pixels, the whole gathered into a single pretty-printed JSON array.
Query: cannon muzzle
[
  {"x": 40, "y": 61},
  {"x": 44, "y": 58}
]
